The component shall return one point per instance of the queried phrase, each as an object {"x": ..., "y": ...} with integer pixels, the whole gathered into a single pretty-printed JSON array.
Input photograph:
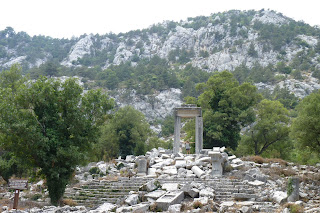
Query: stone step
[
  {"x": 93, "y": 197},
  {"x": 98, "y": 194},
  {"x": 110, "y": 188},
  {"x": 223, "y": 198},
  {"x": 243, "y": 196},
  {"x": 100, "y": 191}
]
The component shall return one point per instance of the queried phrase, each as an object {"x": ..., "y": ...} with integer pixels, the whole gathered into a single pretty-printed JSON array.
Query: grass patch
[
  {"x": 69, "y": 202},
  {"x": 261, "y": 160},
  {"x": 294, "y": 208},
  {"x": 197, "y": 204}
]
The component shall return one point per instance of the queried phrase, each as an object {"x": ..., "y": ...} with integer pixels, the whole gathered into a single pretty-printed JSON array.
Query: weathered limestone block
[
  {"x": 142, "y": 167},
  {"x": 106, "y": 207},
  {"x": 170, "y": 186},
  {"x": 207, "y": 192},
  {"x": 170, "y": 170},
  {"x": 132, "y": 199},
  {"x": 180, "y": 164},
  {"x": 141, "y": 207},
  {"x": 279, "y": 197},
  {"x": 152, "y": 172},
  {"x": 176, "y": 208},
  {"x": 190, "y": 191},
  {"x": 155, "y": 194},
  {"x": 170, "y": 198},
  {"x": 130, "y": 158},
  {"x": 152, "y": 185},
  {"x": 202, "y": 200},
  {"x": 293, "y": 184}
]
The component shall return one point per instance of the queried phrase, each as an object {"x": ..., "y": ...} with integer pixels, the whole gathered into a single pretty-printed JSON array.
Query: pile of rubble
[{"x": 212, "y": 181}]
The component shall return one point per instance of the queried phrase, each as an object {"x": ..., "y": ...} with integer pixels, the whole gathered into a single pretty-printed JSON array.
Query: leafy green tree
[
  {"x": 125, "y": 134},
  {"x": 287, "y": 98},
  {"x": 282, "y": 68},
  {"x": 227, "y": 108},
  {"x": 12, "y": 79},
  {"x": 10, "y": 165},
  {"x": 51, "y": 125},
  {"x": 167, "y": 125},
  {"x": 270, "y": 128},
  {"x": 306, "y": 127},
  {"x": 155, "y": 142},
  {"x": 252, "y": 51},
  {"x": 50, "y": 69}
]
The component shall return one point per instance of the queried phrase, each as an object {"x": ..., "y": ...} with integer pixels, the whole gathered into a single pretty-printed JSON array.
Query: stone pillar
[
  {"x": 294, "y": 185},
  {"x": 216, "y": 158},
  {"x": 177, "y": 124},
  {"x": 142, "y": 167},
  {"x": 199, "y": 135}
]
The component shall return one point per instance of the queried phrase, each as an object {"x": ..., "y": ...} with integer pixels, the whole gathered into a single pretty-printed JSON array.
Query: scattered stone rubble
[{"x": 212, "y": 181}]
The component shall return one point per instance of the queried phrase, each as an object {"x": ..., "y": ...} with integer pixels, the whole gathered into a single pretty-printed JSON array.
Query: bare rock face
[
  {"x": 270, "y": 17},
  {"x": 153, "y": 106},
  {"x": 13, "y": 61},
  {"x": 81, "y": 48},
  {"x": 182, "y": 38}
]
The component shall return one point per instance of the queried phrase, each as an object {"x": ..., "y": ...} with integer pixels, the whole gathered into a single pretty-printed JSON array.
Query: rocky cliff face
[
  {"x": 154, "y": 106},
  {"x": 221, "y": 41}
]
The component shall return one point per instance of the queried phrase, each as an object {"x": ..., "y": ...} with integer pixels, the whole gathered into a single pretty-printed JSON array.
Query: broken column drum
[{"x": 188, "y": 111}]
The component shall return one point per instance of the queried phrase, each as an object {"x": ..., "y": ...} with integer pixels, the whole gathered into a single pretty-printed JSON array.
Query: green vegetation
[
  {"x": 52, "y": 126},
  {"x": 125, "y": 134},
  {"x": 49, "y": 124},
  {"x": 227, "y": 107},
  {"x": 269, "y": 130},
  {"x": 305, "y": 128}
]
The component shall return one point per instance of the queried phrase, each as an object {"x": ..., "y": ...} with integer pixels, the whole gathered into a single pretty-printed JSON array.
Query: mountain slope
[
  {"x": 221, "y": 41},
  {"x": 263, "y": 47}
]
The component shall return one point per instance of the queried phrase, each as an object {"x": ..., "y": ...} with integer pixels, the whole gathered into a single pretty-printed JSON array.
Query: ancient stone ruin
[
  {"x": 188, "y": 111},
  {"x": 211, "y": 180}
]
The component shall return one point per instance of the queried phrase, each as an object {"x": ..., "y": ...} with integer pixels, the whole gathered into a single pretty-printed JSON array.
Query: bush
[
  {"x": 294, "y": 208},
  {"x": 154, "y": 208},
  {"x": 94, "y": 170},
  {"x": 256, "y": 159},
  {"x": 119, "y": 166},
  {"x": 69, "y": 202},
  {"x": 35, "y": 197},
  {"x": 228, "y": 168},
  {"x": 197, "y": 204},
  {"x": 260, "y": 160}
]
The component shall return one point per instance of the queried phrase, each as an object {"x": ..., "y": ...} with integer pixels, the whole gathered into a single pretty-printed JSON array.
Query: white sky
[{"x": 67, "y": 18}]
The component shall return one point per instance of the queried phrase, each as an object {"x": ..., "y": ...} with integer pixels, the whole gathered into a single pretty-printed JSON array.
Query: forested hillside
[{"x": 168, "y": 59}]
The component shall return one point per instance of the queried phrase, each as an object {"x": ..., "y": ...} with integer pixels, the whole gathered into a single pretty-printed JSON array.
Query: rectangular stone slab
[{"x": 170, "y": 198}]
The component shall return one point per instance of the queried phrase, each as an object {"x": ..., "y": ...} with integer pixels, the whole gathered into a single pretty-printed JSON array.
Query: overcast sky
[{"x": 67, "y": 18}]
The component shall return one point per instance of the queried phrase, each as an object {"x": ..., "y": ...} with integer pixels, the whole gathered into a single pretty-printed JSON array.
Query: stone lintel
[{"x": 188, "y": 112}]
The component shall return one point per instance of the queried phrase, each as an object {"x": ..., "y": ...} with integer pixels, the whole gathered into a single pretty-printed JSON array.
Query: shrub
[
  {"x": 228, "y": 168},
  {"x": 256, "y": 159},
  {"x": 94, "y": 170},
  {"x": 311, "y": 178},
  {"x": 260, "y": 160},
  {"x": 155, "y": 208},
  {"x": 294, "y": 208},
  {"x": 35, "y": 197},
  {"x": 197, "y": 204},
  {"x": 119, "y": 166},
  {"x": 69, "y": 202},
  {"x": 289, "y": 187}
]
